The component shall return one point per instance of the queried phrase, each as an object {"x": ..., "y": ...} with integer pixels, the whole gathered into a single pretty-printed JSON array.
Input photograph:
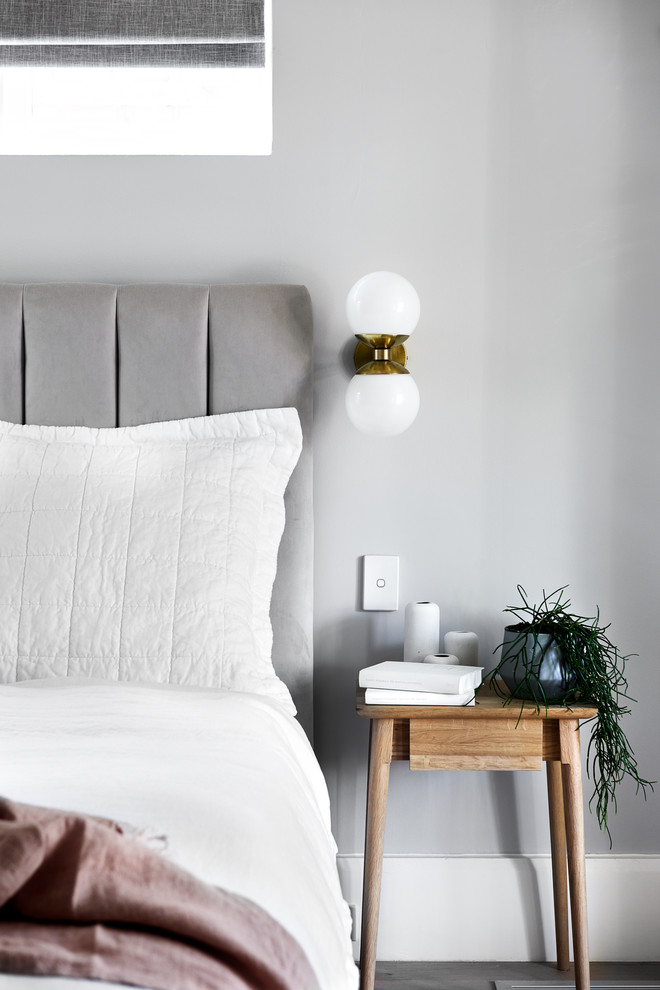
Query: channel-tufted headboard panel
[{"x": 120, "y": 355}]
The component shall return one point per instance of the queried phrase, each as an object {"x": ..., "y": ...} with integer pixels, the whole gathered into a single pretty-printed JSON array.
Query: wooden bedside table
[{"x": 486, "y": 736}]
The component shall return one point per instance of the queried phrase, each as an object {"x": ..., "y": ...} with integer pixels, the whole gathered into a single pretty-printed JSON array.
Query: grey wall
[{"x": 504, "y": 156}]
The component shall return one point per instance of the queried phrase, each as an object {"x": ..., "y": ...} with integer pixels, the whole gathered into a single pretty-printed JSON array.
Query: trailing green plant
[{"x": 594, "y": 674}]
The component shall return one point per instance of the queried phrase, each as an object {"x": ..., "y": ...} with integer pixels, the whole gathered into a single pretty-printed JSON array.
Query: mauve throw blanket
[{"x": 79, "y": 897}]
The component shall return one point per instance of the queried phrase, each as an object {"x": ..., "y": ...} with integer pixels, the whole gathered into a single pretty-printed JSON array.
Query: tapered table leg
[
  {"x": 558, "y": 850},
  {"x": 380, "y": 755},
  {"x": 569, "y": 745}
]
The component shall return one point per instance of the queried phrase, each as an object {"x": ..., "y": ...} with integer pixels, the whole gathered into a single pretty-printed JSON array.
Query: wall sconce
[{"x": 382, "y": 398}]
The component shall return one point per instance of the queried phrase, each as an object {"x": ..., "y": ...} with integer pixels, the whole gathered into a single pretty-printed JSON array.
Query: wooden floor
[{"x": 481, "y": 975}]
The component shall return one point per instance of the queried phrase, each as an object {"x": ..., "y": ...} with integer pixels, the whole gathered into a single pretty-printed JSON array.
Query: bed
[{"x": 151, "y": 439}]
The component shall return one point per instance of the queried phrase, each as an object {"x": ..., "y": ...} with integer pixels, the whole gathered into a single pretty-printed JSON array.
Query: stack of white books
[{"x": 395, "y": 682}]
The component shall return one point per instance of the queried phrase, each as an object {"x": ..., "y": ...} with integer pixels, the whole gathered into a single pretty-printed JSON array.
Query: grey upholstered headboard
[{"x": 119, "y": 355}]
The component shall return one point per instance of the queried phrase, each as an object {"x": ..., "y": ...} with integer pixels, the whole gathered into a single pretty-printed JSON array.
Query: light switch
[{"x": 380, "y": 583}]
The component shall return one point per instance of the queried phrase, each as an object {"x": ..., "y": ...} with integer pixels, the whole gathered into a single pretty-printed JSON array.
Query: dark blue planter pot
[{"x": 537, "y": 652}]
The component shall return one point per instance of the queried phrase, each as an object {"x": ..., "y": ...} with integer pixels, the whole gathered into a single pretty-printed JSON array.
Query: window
[{"x": 175, "y": 95}]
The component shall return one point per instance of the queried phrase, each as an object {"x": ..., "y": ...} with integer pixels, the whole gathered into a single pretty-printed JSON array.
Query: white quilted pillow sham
[{"x": 144, "y": 553}]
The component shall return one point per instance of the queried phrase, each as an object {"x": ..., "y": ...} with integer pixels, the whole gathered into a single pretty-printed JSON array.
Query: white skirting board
[{"x": 482, "y": 908}]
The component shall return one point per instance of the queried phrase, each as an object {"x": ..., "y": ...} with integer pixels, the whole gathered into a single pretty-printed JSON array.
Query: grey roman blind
[{"x": 132, "y": 32}]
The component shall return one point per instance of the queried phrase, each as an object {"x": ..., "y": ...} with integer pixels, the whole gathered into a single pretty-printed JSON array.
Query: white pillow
[{"x": 145, "y": 553}]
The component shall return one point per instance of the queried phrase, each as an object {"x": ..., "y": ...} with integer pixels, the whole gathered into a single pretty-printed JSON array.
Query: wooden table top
[{"x": 488, "y": 705}]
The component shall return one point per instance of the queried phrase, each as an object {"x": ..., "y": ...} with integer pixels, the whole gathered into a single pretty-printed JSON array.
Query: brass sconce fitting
[{"x": 381, "y": 354}]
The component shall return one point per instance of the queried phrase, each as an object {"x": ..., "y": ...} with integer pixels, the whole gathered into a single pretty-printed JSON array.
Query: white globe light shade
[
  {"x": 382, "y": 302},
  {"x": 382, "y": 405}
]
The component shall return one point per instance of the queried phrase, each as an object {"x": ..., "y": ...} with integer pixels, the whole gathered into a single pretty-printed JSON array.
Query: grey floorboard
[{"x": 481, "y": 975}]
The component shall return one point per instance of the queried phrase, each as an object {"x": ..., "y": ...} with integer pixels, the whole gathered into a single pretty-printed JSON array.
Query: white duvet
[{"x": 230, "y": 780}]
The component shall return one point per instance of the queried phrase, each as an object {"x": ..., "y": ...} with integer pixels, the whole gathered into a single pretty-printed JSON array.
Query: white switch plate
[{"x": 380, "y": 583}]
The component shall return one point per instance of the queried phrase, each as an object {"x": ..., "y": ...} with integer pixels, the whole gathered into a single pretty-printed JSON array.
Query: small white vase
[
  {"x": 464, "y": 645},
  {"x": 446, "y": 658}
]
